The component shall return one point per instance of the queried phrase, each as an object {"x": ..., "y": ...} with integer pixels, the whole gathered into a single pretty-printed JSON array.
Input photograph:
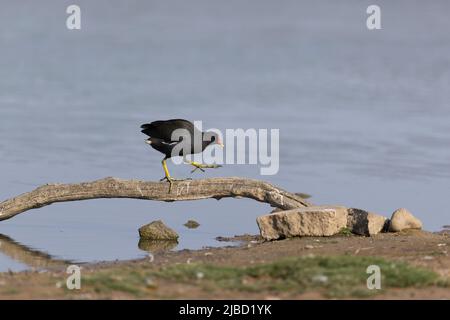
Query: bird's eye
[{"x": 213, "y": 138}]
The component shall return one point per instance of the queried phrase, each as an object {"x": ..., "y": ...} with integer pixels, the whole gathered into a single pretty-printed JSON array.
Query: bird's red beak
[{"x": 220, "y": 143}]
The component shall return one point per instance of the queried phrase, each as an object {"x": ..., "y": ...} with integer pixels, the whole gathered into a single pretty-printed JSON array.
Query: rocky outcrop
[
  {"x": 308, "y": 221},
  {"x": 365, "y": 223},
  {"x": 320, "y": 221},
  {"x": 403, "y": 219},
  {"x": 157, "y": 230}
]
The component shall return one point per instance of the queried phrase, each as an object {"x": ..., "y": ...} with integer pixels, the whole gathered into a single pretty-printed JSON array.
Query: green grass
[
  {"x": 123, "y": 280},
  {"x": 345, "y": 232},
  {"x": 10, "y": 291},
  {"x": 337, "y": 276}
]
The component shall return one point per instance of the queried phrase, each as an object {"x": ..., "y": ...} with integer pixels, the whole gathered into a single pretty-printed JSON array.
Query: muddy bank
[{"x": 256, "y": 269}]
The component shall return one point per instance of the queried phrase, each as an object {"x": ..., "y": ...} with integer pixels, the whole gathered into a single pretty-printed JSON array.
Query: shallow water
[{"x": 364, "y": 116}]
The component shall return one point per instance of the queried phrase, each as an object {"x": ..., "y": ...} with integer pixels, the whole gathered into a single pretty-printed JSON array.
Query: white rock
[
  {"x": 403, "y": 219},
  {"x": 320, "y": 278},
  {"x": 365, "y": 223},
  {"x": 308, "y": 221}
]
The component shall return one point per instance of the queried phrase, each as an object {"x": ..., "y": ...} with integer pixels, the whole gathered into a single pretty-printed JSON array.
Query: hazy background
[{"x": 364, "y": 116}]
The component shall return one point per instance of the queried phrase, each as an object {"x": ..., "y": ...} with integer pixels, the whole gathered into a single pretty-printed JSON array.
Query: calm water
[{"x": 364, "y": 116}]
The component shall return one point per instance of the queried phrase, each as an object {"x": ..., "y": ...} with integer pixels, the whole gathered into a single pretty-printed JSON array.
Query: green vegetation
[
  {"x": 346, "y": 232},
  {"x": 336, "y": 276},
  {"x": 123, "y": 280}
]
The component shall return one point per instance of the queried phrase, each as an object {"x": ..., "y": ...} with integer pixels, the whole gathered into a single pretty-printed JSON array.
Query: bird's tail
[{"x": 147, "y": 128}]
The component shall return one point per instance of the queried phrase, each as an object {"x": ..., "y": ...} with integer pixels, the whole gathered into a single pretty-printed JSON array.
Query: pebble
[{"x": 320, "y": 278}]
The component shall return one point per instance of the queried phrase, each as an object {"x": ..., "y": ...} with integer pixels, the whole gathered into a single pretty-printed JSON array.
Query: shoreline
[{"x": 173, "y": 275}]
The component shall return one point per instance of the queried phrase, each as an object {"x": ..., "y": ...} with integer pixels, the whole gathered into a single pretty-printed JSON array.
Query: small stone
[
  {"x": 309, "y": 246},
  {"x": 365, "y": 223},
  {"x": 150, "y": 283},
  {"x": 320, "y": 278},
  {"x": 157, "y": 230},
  {"x": 308, "y": 221},
  {"x": 403, "y": 219},
  {"x": 192, "y": 224}
]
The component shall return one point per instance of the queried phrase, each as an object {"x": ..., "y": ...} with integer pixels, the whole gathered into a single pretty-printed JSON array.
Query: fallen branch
[{"x": 181, "y": 191}]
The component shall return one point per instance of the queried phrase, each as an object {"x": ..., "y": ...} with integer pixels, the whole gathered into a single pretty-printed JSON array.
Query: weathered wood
[{"x": 181, "y": 191}]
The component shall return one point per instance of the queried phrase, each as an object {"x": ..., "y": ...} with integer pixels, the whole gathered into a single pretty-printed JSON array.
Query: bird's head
[{"x": 211, "y": 137}]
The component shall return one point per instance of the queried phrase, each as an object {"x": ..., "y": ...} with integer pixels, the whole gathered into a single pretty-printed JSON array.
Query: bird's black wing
[{"x": 163, "y": 129}]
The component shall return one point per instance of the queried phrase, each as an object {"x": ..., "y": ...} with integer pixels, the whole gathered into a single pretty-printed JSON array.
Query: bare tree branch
[{"x": 182, "y": 190}]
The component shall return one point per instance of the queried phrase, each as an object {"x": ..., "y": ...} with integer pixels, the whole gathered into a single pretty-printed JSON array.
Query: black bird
[{"x": 179, "y": 137}]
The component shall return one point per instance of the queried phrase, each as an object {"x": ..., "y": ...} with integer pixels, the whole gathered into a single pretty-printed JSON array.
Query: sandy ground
[{"x": 417, "y": 248}]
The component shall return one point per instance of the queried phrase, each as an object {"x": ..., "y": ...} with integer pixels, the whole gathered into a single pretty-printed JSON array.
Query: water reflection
[
  {"x": 31, "y": 257},
  {"x": 36, "y": 259},
  {"x": 153, "y": 246}
]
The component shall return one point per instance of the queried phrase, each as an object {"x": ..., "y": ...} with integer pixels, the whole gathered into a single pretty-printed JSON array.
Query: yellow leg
[
  {"x": 166, "y": 170},
  {"x": 202, "y": 166},
  {"x": 167, "y": 175}
]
